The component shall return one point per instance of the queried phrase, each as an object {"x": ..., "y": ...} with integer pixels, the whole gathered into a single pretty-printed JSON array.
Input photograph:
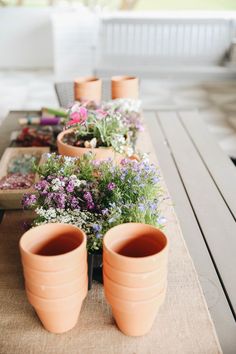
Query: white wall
[{"x": 25, "y": 38}]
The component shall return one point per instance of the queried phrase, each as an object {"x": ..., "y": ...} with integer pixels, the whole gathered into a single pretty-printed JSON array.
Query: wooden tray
[{"x": 11, "y": 199}]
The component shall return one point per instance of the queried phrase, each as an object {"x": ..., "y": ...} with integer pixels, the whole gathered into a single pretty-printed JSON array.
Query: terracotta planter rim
[
  {"x": 141, "y": 302},
  {"x": 135, "y": 274},
  {"x": 68, "y": 131},
  {"x": 59, "y": 256},
  {"x": 56, "y": 300},
  {"x": 120, "y": 78},
  {"x": 129, "y": 288},
  {"x": 86, "y": 79},
  {"x": 51, "y": 286},
  {"x": 53, "y": 272},
  {"x": 134, "y": 259}
]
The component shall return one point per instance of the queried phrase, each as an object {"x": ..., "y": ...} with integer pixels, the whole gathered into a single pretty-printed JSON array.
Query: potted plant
[
  {"x": 96, "y": 195},
  {"x": 104, "y": 132}
]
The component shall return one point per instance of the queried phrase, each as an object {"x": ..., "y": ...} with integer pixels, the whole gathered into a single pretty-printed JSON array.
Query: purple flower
[
  {"x": 141, "y": 207},
  {"x": 124, "y": 162},
  {"x": 29, "y": 200},
  {"x": 70, "y": 187},
  {"x": 88, "y": 197},
  {"x": 111, "y": 186},
  {"x": 105, "y": 211},
  {"x": 41, "y": 185},
  {"x": 90, "y": 205},
  {"x": 97, "y": 228},
  {"x": 60, "y": 200},
  {"x": 155, "y": 179},
  {"x": 74, "y": 203}
]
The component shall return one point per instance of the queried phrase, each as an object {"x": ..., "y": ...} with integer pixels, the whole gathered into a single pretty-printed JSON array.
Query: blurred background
[{"x": 184, "y": 52}]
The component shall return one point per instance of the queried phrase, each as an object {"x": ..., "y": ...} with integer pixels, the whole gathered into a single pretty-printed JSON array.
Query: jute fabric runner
[{"x": 183, "y": 324}]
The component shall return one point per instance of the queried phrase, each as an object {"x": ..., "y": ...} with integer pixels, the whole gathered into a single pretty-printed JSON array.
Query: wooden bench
[{"x": 201, "y": 180}]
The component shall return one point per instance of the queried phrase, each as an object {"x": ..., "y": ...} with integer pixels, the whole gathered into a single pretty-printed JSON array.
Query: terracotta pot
[
  {"x": 53, "y": 247},
  {"x": 125, "y": 87},
  {"x": 132, "y": 253},
  {"x": 100, "y": 153},
  {"x": 135, "y": 248},
  {"x": 88, "y": 89},
  {"x": 135, "y": 318},
  {"x": 133, "y": 294},
  {"x": 61, "y": 314},
  {"x": 57, "y": 291},
  {"x": 55, "y": 278},
  {"x": 49, "y": 254},
  {"x": 136, "y": 280}
]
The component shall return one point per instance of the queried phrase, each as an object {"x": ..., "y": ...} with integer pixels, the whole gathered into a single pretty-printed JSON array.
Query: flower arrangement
[
  {"x": 130, "y": 111},
  {"x": 114, "y": 124},
  {"x": 96, "y": 195}
]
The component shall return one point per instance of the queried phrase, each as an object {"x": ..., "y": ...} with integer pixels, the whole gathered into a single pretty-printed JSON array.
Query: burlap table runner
[{"x": 183, "y": 324}]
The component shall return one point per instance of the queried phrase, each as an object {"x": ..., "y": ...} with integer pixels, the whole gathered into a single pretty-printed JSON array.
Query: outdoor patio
[{"x": 110, "y": 210}]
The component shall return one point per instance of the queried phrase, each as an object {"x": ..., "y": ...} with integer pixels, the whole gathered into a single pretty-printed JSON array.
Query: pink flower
[
  {"x": 79, "y": 116},
  {"x": 100, "y": 113}
]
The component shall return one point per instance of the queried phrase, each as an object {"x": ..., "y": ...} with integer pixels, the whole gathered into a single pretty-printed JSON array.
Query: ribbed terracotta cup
[
  {"x": 57, "y": 277},
  {"x": 61, "y": 314},
  {"x": 135, "y": 248},
  {"x": 57, "y": 291},
  {"x": 134, "y": 294},
  {"x": 135, "y": 318},
  {"x": 136, "y": 280},
  {"x": 100, "y": 153},
  {"x": 54, "y": 259},
  {"x": 88, "y": 89},
  {"x": 135, "y": 252},
  {"x": 125, "y": 87}
]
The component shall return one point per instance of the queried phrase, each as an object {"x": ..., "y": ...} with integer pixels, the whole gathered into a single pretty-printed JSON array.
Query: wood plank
[
  {"x": 212, "y": 288},
  {"x": 216, "y": 221},
  {"x": 219, "y": 165}
]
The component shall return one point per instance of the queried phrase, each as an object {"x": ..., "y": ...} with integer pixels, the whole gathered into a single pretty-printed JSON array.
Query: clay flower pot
[
  {"x": 135, "y": 275},
  {"x": 135, "y": 280},
  {"x": 61, "y": 314},
  {"x": 135, "y": 318},
  {"x": 100, "y": 153},
  {"x": 54, "y": 259},
  {"x": 131, "y": 293},
  {"x": 125, "y": 87},
  {"x": 88, "y": 89}
]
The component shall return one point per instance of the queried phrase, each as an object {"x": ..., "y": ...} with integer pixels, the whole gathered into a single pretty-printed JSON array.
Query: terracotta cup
[
  {"x": 135, "y": 280},
  {"x": 125, "y": 87},
  {"x": 135, "y": 274},
  {"x": 55, "y": 278},
  {"x": 135, "y": 248},
  {"x": 133, "y": 294},
  {"x": 61, "y": 314},
  {"x": 57, "y": 291},
  {"x": 135, "y": 318},
  {"x": 54, "y": 259},
  {"x": 88, "y": 89}
]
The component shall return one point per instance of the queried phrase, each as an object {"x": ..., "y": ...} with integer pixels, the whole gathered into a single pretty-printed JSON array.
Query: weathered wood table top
[{"x": 183, "y": 324}]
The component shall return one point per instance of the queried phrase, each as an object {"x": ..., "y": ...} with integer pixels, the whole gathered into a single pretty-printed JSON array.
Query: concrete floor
[{"x": 215, "y": 101}]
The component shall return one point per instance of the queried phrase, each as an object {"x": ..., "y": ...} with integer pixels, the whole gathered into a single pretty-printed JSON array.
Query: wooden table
[
  {"x": 201, "y": 180},
  {"x": 183, "y": 318}
]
